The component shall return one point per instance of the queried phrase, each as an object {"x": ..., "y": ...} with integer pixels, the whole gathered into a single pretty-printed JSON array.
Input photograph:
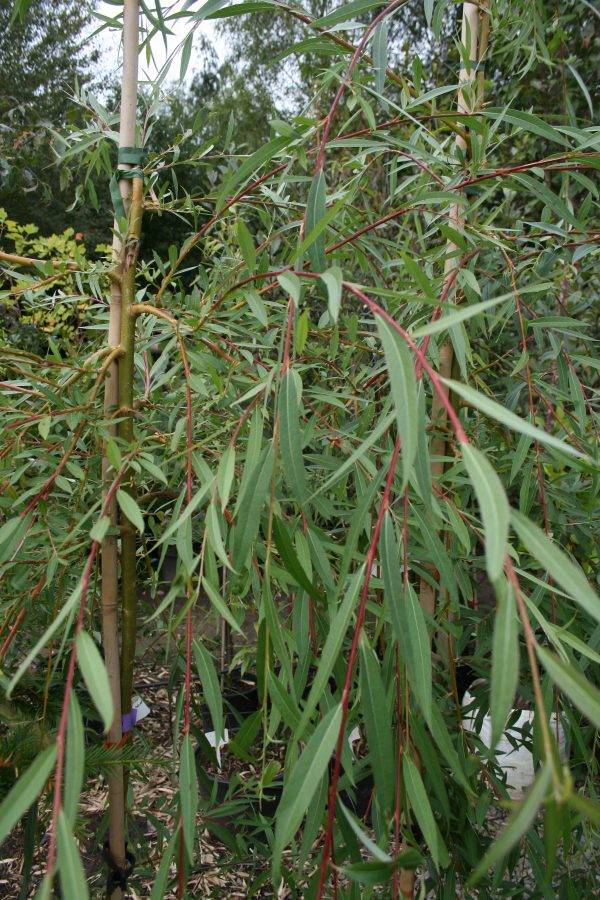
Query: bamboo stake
[{"x": 110, "y": 556}]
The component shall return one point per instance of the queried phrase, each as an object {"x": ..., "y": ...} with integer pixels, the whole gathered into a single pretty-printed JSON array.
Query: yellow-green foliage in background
[{"x": 42, "y": 302}]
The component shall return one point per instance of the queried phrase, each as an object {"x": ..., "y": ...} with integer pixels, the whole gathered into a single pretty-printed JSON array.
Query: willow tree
[{"x": 358, "y": 390}]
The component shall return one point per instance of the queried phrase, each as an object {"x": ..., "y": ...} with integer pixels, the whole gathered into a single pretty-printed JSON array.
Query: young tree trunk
[
  {"x": 126, "y": 373},
  {"x": 110, "y": 556}
]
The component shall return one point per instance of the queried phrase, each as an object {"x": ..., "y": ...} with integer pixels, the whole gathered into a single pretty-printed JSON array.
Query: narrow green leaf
[
  {"x": 130, "y": 510},
  {"x": 404, "y": 392},
  {"x": 26, "y": 791},
  {"x": 152, "y": 468},
  {"x": 315, "y": 211},
  {"x": 185, "y": 547},
  {"x": 213, "y": 533},
  {"x": 75, "y": 760},
  {"x": 45, "y": 889},
  {"x": 291, "y": 284},
  {"x": 586, "y": 808},
  {"x": 10, "y": 534},
  {"x": 249, "y": 168},
  {"x": 584, "y": 695},
  {"x": 503, "y": 415},
  {"x": 528, "y": 122},
  {"x": 301, "y": 335},
  {"x": 72, "y": 876},
  {"x": 583, "y": 88},
  {"x": 257, "y": 306},
  {"x": 408, "y": 621},
  {"x": 347, "y": 12},
  {"x": 290, "y": 435},
  {"x": 332, "y": 279},
  {"x": 419, "y": 276},
  {"x": 422, "y": 460},
  {"x": 159, "y": 884},
  {"x": 331, "y": 649},
  {"x": 516, "y": 826},
  {"x": 186, "y": 52},
  {"x": 286, "y": 707},
  {"x": 441, "y": 735},
  {"x": 219, "y": 604},
  {"x": 558, "y": 565},
  {"x": 357, "y": 454},
  {"x": 209, "y": 682},
  {"x": 66, "y": 611},
  {"x": 519, "y": 456},
  {"x": 250, "y": 507},
  {"x": 113, "y": 454},
  {"x": 303, "y": 781},
  {"x": 225, "y": 475},
  {"x": 422, "y": 810},
  {"x": 289, "y": 558},
  {"x": 418, "y": 659},
  {"x": 9, "y": 529},
  {"x": 188, "y": 793},
  {"x": 461, "y": 314},
  {"x": 505, "y": 660},
  {"x": 246, "y": 244},
  {"x": 437, "y": 551},
  {"x": 329, "y": 215},
  {"x": 380, "y": 54},
  {"x": 548, "y": 197},
  {"x": 493, "y": 503},
  {"x": 313, "y": 822},
  {"x": 378, "y": 724},
  {"x": 44, "y": 426},
  {"x": 95, "y": 676},
  {"x": 99, "y": 529},
  {"x": 364, "y": 838},
  {"x": 180, "y": 518},
  {"x": 373, "y": 872}
]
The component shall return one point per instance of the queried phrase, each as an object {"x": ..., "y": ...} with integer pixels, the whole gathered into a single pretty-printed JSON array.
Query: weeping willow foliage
[{"x": 362, "y": 420}]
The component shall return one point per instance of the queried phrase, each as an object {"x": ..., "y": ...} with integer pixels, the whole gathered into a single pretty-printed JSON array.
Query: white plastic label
[
  {"x": 211, "y": 737},
  {"x": 142, "y": 709}
]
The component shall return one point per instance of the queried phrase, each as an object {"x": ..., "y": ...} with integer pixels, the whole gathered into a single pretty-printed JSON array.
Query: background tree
[{"x": 41, "y": 65}]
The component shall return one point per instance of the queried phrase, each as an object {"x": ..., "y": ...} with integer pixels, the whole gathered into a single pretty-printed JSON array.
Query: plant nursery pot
[
  {"x": 230, "y": 792},
  {"x": 219, "y": 789},
  {"x": 223, "y": 790},
  {"x": 240, "y": 697},
  {"x": 240, "y": 700},
  {"x": 517, "y": 762}
]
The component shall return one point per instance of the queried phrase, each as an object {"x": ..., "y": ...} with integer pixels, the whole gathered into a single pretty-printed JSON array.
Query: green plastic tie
[{"x": 132, "y": 156}]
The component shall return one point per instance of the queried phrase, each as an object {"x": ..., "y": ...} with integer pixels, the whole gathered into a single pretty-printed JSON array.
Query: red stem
[
  {"x": 435, "y": 381},
  {"x": 62, "y": 728},
  {"x": 9, "y": 637},
  {"x": 353, "y": 62}
]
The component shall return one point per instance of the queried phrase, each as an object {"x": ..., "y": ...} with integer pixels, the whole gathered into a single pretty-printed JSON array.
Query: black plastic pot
[
  {"x": 240, "y": 700},
  {"x": 232, "y": 803}
]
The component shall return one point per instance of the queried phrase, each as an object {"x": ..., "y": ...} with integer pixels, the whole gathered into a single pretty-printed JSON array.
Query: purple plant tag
[{"x": 128, "y": 720}]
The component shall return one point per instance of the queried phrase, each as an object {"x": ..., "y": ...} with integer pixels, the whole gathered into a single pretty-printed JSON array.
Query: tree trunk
[{"x": 110, "y": 556}]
